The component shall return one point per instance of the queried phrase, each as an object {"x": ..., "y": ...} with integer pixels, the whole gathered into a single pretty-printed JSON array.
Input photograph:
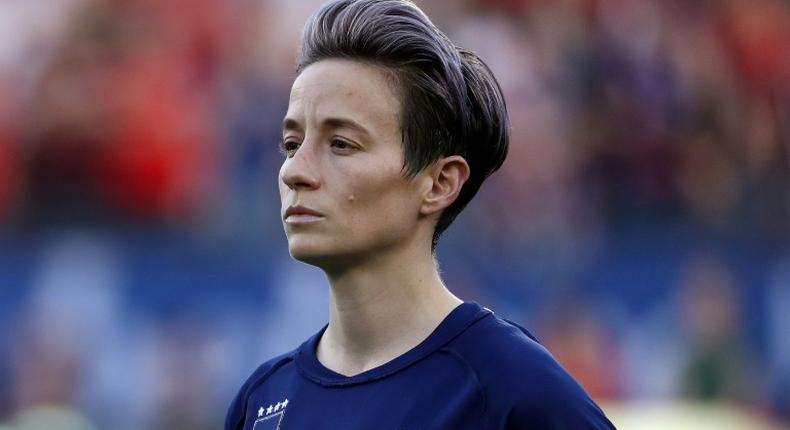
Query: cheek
[
  {"x": 371, "y": 191},
  {"x": 379, "y": 199}
]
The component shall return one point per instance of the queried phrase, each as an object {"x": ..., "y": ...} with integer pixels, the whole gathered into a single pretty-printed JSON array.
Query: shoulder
[
  {"x": 236, "y": 412},
  {"x": 521, "y": 381},
  {"x": 500, "y": 349}
]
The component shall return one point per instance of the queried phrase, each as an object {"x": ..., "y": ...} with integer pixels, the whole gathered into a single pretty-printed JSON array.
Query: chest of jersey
[{"x": 427, "y": 395}]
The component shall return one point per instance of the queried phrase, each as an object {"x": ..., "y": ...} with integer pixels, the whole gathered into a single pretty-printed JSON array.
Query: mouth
[{"x": 300, "y": 215}]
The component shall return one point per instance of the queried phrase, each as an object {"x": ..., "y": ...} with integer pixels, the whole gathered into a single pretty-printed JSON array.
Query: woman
[{"x": 390, "y": 131}]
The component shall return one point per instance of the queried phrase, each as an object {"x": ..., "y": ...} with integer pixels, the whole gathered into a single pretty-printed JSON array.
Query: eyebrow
[{"x": 292, "y": 124}]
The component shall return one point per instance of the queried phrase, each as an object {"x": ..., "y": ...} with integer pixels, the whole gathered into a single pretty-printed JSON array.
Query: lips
[{"x": 301, "y": 213}]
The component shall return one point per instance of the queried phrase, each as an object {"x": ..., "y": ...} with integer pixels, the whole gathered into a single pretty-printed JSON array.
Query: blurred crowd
[{"x": 640, "y": 226}]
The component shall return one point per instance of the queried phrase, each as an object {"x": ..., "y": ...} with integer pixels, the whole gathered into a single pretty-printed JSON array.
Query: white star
[
  {"x": 285, "y": 403},
  {"x": 277, "y": 407},
  {"x": 260, "y": 412},
  {"x": 269, "y": 409}
]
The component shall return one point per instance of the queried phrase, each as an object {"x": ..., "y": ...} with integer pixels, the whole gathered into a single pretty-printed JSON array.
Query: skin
[{"x": 372, "y": 237}]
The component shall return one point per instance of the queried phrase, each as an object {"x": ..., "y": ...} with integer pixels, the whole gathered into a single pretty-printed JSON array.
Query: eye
[
  {"x": 342, "y": 145},
  {"x": 288, "y": 148}
]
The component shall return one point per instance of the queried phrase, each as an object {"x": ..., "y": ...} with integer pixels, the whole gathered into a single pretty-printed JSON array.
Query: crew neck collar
[{"x": 458, "y": 320}]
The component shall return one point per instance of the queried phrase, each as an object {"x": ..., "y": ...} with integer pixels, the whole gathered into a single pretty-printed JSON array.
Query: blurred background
[{"x": 640, "y": 226}]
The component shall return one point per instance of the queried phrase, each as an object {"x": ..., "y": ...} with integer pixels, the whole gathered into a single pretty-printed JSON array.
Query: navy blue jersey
[{"x": 475, "y": 371}]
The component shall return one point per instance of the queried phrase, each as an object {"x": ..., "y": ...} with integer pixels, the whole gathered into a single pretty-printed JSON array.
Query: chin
[
  {"x": 307, "y": 251},
  {"x": 321, "y": 255}
]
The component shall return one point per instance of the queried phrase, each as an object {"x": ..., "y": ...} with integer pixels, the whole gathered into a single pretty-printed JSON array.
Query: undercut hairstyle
[{"x": 451, "y": 104}]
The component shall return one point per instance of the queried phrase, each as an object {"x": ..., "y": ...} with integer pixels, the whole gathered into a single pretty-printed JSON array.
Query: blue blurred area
[
  {"x": 640, "y": 226},
  {"x": 120, "y": 295}
]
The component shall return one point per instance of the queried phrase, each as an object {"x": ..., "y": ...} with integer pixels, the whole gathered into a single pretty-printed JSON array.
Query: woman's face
[{"x": 344, "y": 196}]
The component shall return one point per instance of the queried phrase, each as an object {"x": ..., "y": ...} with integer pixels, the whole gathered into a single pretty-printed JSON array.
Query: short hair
[{"x": 451, "y": 104}]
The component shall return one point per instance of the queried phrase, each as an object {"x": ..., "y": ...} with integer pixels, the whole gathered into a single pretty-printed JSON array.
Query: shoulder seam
[
  {"x": 278, "y": 364},
  {"x": 521, "y": 329},
  {"x": 459, "y": 357},
  {"x": 260, "y": 380}
]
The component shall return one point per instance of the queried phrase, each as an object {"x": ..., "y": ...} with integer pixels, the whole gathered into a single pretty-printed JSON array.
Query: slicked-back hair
[{"x": 451, "y": 104}]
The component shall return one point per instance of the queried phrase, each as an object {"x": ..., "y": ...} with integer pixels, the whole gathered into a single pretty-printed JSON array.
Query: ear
[{"x": 447, "y": 176}]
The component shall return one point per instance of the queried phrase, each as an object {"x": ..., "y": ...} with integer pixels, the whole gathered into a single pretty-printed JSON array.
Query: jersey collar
[{"x": 458, "y": 320}]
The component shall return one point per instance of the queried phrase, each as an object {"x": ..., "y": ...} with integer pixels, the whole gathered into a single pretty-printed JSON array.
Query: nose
[{"x": 300, "y": 170}]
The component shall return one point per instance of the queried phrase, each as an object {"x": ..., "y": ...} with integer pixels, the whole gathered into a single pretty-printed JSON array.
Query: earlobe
[{"x": 447, "y": 177}]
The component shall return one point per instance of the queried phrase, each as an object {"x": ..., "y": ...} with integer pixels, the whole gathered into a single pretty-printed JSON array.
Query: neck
[{"x": 381, "y": 310}]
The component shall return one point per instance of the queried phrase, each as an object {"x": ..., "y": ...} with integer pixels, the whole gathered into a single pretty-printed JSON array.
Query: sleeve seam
[{"x": 478, "y": 384}]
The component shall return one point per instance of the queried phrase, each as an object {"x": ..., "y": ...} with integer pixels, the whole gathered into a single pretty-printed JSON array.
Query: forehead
[{"x": 343, "y": 88}]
